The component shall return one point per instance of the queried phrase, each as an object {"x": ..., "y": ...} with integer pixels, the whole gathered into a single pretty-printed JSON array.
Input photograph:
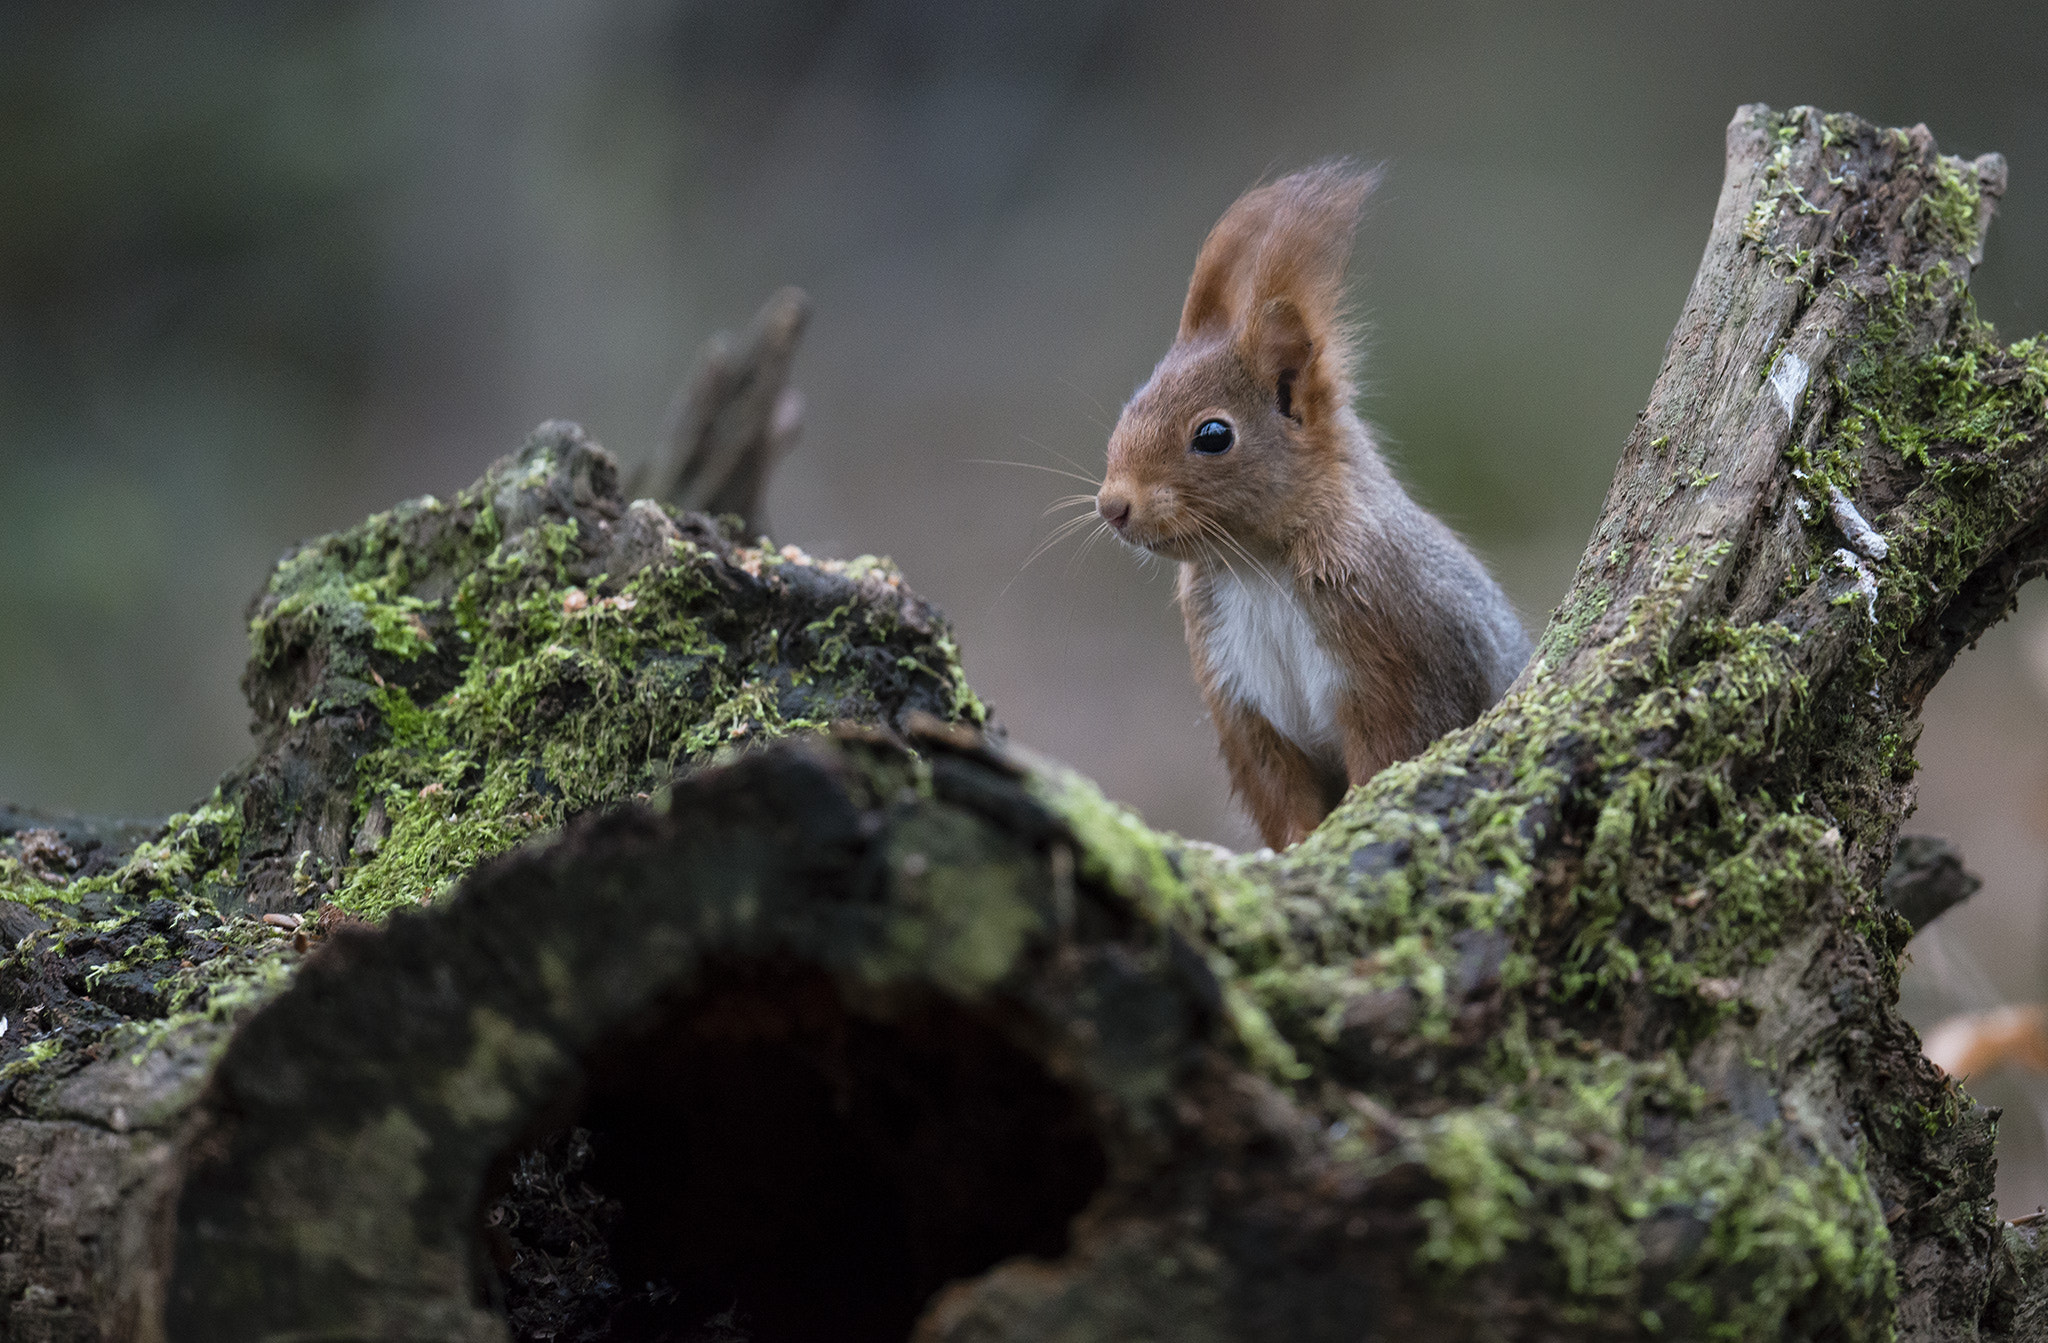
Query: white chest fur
[{"x": 1264, "y": 653}]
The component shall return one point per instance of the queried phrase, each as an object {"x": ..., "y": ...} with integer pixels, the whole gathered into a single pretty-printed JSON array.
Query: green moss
[
  {"x": 1178, "y": 883},
  {"x": 1948, "y": 207},
  {"x": 193, "y": 850},
  {"x": 30, "y": 1060},
  {"x": 1117, "y": 849},
  {"x": 567, "y": 700},
  {"x": 966, "y": 705},
  {"x": 174, "y": 876},
  {"x": 506, "y": 1067},
  {"x": 346, "y": 596},
  {"x": 1950, "y": 413},
  {"x": 508, "y": 686},
  {"x": 1734, "y": 793},
  {"x": 19, "y": 884},
  {"x": 1952, "y": 409},
  {"x": 1755, "y": 1236},
  {"x": 192, "y": 860},
  {"x": 1686, "y": 818},
  {"x": 254, "y": 965},
  {"x": 1694, "y": 870},
  {"x": 1556, "y": 1159},
  {"x": 449, "y": 679},
  {"x": 513, "y": 683},
  {"x": 967, "y": 914},
  {"x": 1699, "y": 867},
  {"x": 1486, "y": 1200},
  {"x": 1795, "y": 1246}
]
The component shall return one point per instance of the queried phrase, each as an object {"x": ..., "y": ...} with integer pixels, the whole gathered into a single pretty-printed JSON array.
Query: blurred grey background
[{"x": 267, "y": 267}]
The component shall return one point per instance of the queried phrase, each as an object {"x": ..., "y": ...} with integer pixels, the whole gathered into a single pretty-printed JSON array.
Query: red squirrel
[{"x": 1335, "y": 626}]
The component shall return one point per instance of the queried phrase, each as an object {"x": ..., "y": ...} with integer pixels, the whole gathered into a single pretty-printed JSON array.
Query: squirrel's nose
[{"x": 1114, "y": 508}]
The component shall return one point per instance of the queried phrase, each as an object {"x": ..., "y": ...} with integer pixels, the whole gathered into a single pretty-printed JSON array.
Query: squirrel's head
[{"x": 1229, "y": 443}]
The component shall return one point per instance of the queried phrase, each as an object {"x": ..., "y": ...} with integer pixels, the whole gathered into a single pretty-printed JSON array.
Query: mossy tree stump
[{"x": 1581, "y": 1025}]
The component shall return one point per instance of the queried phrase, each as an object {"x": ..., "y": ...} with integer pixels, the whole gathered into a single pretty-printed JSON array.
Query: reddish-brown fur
[{"x": 1302, "y": 502}]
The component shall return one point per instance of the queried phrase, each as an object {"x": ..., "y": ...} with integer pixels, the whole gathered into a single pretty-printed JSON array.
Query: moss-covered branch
[{"x": 1581, "y": 1025}]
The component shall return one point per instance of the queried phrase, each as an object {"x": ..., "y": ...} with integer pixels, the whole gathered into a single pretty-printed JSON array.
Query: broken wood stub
[{"x": 734, "y": 420}]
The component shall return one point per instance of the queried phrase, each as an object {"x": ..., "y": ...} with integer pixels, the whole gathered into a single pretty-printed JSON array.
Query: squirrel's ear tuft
[
  {"x": 1216, "y": 294},
  {"x": 1284, "y": 243}
]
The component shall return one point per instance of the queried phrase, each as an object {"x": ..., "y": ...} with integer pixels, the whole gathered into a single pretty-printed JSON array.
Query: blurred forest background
[{"x": 267, "y": 267}]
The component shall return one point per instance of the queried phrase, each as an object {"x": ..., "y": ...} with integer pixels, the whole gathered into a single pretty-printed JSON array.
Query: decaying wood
[
  {"x": 1927, "y": 879},
  {"x": 1583, "y": 1025},
  {"x": 734, "y": 420}
]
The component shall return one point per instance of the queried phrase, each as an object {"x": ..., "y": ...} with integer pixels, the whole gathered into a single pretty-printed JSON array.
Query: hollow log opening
[{"x": 765, "y": 1160}]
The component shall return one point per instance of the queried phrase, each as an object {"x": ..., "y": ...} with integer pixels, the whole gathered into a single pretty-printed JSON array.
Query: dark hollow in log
[
  {"x": 822, "y": 1167},
  {"x": 813, "y": 1088}
]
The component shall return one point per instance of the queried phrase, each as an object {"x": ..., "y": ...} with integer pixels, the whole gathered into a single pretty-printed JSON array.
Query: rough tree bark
[{"x": 1581, "y": 1025}]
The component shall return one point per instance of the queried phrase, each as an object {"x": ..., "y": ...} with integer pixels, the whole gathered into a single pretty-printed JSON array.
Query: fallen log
[{"x": 1581, "y": 1025}]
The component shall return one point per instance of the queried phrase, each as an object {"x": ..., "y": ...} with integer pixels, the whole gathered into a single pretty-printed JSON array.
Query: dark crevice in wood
[{"x": 764, "y": 1158}]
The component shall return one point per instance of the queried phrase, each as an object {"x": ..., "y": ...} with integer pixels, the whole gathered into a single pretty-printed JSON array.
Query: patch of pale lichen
[{"x": 1581, "y": 608}]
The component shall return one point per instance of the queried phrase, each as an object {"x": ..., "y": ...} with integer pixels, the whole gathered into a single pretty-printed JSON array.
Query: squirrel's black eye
[{"x": 1212, "y": 437}]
